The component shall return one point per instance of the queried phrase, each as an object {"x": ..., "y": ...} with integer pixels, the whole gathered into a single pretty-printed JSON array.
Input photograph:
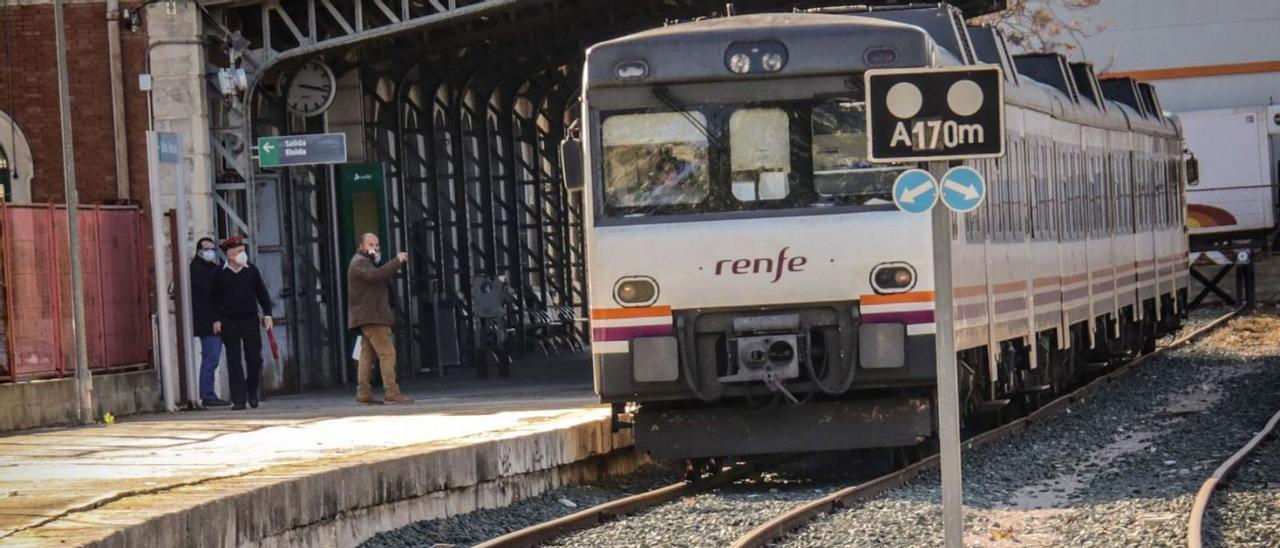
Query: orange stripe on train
[
  {"x": 899, "y": 298},
  {"x": 628, "y": 313}
]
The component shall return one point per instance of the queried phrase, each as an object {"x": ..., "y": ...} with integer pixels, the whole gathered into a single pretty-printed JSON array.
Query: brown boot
[
  {"x": 368, "y": 400},
  {"x": 399, "y": 398}
]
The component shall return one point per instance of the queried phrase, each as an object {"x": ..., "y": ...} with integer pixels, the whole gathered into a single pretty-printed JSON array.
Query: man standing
[
  {"x": 204, "y": 310},
  {"x": 239, "y": 291},
  {"x": 369, "y": 310}
]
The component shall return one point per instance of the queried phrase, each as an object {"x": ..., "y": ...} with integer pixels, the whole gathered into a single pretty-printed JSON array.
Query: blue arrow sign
[
  {"x": 915, "y": 191},
  {"x": 963, "y": 189}
]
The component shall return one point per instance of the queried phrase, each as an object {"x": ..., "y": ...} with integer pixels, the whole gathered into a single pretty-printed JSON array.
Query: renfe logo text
[{"x": 765, "y": 265}]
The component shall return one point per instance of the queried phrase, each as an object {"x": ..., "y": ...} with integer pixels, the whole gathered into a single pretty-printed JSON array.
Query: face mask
[
  {"x": 242, "y": 258},
  {"x": 208, "y": 255}
]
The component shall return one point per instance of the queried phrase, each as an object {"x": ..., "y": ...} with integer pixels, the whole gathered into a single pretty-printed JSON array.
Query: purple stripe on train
[
  {"x": 904, "y": 317},
  {"x": 973, "y": 310},
  {"x": 608, "y": 334}
]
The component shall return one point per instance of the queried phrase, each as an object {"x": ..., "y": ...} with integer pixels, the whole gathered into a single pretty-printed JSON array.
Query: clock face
[{"x": 312, "y": 88}]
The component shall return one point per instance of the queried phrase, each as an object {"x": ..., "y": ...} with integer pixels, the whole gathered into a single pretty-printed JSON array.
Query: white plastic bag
[{"x": 355, "y": 350}]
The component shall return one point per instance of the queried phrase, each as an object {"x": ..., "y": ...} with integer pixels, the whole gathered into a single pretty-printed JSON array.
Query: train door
[
  {"x": 1101, "y": 281},
  {"x": 1072, "y": 252},
  {"x": 362, "y": 208},
  {"x": 1123, "y": 238}
]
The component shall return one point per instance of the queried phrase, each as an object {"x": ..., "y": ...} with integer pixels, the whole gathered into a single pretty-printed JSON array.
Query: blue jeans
[{"x": 210, "y": 351}]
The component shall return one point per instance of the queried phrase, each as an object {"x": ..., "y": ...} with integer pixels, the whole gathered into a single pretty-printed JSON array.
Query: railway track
[
  {"x": 1195, "y": 524},
  {"x": 590, "y": 517},
  {"x": 780, "y": 525}
]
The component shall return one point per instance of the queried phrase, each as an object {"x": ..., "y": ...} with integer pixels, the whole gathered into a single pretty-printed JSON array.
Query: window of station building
[{"x": 760, "y": 154}]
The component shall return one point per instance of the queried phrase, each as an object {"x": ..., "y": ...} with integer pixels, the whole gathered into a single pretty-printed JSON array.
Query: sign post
[
  {"x": 163, "y": 149},
  {"x": 916, "y": 115},
  {"x": 299, "y": 150},
  {"x": 948, "y": 389}
]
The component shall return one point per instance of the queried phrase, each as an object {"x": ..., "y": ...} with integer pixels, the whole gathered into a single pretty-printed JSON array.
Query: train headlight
[
  {"x": 893, "y": 278},
  {"x": 635, "y": 291},
  {"x": 740, "y": 63},
  {"x": 771, "y": 62}
]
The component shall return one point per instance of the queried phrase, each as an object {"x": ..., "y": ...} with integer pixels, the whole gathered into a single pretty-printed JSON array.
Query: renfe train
[{"x": 753, "y": 287}]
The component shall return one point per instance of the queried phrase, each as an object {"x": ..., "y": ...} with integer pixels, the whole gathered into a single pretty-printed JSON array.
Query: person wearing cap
[
  {"x": 204, "y": 309},
  {"x": 369, "y": 310},
  {"x": 239, "y": 291}
]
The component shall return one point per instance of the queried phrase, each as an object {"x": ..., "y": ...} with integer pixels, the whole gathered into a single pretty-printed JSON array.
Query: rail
[
  {"x": 779, "y": 526},
  {"x": 1195, "y": 524},
  {"x": 585, "y": 519}
]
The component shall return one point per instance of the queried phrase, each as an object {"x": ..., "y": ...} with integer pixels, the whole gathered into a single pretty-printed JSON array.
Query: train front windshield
[{"x": 740, "y": 158}]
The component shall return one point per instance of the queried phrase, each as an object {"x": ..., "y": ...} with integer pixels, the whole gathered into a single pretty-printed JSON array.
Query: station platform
[{"x": 314, "y": 469}]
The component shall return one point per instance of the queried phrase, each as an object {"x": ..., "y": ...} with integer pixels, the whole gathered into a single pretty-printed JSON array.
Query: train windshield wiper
[{"x": 675, "y": 105}]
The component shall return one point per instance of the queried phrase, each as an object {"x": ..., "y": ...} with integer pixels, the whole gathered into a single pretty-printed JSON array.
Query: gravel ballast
[
  {"x": 1118, "y": 469},
  {"x": 717, "y": 518},
  {"x": 481, "y": 525}
]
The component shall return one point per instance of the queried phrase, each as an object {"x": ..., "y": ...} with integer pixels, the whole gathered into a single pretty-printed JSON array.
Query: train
[{"x": 753, "y": 288}]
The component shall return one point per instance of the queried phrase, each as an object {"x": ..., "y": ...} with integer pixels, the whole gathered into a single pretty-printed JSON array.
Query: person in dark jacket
[
  {"x": 204, "y": 309},
  {"x": 369, "y": 310},
  {"x": 239, "y": 291}
]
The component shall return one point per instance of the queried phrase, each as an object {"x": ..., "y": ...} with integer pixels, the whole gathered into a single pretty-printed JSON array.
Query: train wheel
[{"x": 696, "y": 468}]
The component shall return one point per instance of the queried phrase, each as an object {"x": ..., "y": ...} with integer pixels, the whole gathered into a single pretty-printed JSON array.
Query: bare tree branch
[{"x": 1045, "y": 26}]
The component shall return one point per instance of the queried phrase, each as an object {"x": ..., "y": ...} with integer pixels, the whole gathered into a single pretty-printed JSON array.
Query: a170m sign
[{"x": 935, "y": 113}]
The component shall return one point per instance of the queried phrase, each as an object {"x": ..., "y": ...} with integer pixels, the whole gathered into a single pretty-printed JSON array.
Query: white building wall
[{"x": 1146, "y": 35}]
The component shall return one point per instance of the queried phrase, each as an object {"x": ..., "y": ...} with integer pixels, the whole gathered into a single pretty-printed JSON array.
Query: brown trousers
[{"x": 377, "y": 339}]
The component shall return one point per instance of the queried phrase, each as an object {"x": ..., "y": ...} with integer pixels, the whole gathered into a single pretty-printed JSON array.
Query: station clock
[{"x": 311, "y": 89}]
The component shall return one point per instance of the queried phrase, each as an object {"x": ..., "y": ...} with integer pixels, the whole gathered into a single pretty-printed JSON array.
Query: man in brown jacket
[{"x": 369, "y": 310}]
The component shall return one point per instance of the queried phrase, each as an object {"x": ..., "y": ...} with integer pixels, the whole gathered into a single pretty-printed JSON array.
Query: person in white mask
[
  {"x": 204, "y": 309},
  {"x": 239, "y": 291}
]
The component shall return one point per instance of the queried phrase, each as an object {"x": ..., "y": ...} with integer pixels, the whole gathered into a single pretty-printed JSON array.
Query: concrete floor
[{"x": 52, "y": 476}]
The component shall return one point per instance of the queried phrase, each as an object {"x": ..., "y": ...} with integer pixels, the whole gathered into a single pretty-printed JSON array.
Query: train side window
[
  {"x": 972, "y": 223},
  {"x": 760, "y": 154}
]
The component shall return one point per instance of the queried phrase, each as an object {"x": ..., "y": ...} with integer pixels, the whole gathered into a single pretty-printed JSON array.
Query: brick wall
[{"x": 29, "y": 94}]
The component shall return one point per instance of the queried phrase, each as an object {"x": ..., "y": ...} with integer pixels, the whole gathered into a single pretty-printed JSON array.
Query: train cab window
[
  {"x": 760, "y": 154},
  {"x": 655, "y": 159},
  {"x": 840, "y": 166}
]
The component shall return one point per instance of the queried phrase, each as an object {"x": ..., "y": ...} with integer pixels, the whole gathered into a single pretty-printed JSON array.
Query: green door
[{"x": 362, "y": 208}]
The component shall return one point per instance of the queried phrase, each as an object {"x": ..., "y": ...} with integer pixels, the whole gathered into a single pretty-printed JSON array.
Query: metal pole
[
  {"x": 948, "y": 387},
  {"x": 167, "y": 363},
  {"x": 84, "y": 380},
  {"x": 181, "y": 240}
]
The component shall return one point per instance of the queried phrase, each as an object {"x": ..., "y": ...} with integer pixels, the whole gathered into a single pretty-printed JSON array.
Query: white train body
[{"x": 1079, "y": 247}]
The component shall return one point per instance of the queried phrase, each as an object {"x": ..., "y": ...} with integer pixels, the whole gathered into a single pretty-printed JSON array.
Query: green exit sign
[{"x": 301, "y": 150}]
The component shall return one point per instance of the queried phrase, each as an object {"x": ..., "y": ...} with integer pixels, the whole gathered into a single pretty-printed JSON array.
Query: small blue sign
[
  {"x": 915, "y": 191},
  {"x": 963, "y": 189}
]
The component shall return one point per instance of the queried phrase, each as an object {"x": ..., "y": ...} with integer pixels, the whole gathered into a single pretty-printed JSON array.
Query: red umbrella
[{"x": 275, "y": 348}]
